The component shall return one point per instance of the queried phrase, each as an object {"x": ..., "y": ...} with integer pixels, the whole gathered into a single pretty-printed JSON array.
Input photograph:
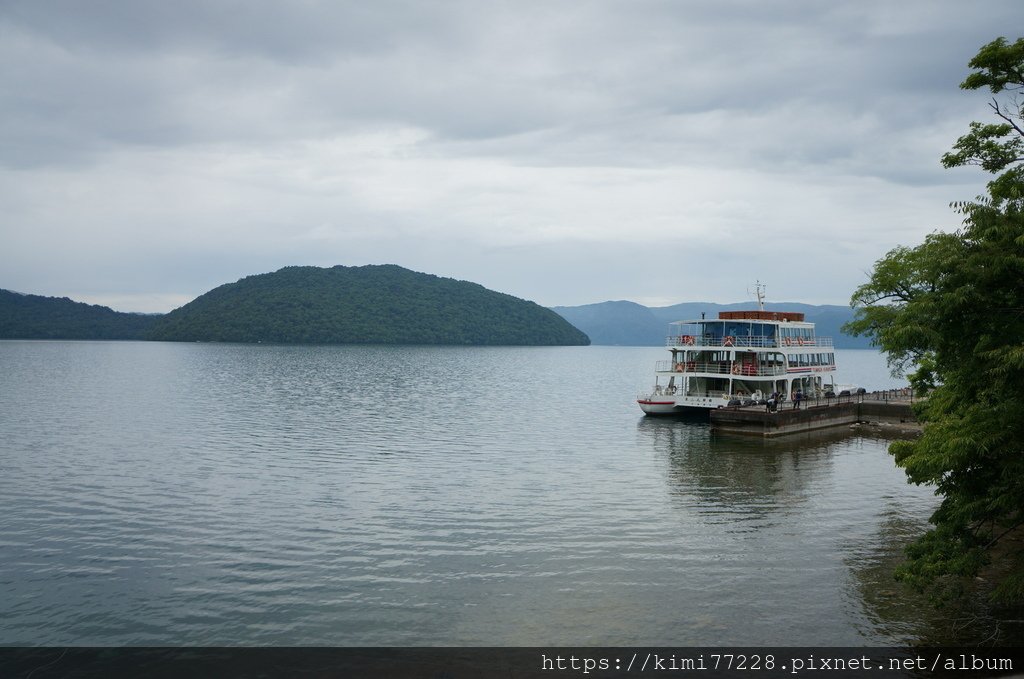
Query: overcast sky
[{"x": 567, "y": 152}]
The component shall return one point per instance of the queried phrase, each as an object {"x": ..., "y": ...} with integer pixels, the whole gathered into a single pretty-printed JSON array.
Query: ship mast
[{"x": 759, "y": 291}]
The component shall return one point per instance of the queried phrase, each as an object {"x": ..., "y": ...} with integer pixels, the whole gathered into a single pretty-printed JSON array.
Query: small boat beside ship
[{"x": 740, "y": 358}]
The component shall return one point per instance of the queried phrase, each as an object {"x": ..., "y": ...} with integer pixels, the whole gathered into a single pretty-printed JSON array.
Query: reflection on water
[
  {"x": 749, "y": 484},
  {"x": 910, "y": 617},
  {"x": 727, "y": 470},
  {"x": 168, "y": 494}
]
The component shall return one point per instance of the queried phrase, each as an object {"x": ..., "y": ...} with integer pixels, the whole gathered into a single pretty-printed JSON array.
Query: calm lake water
[{"x": 204, "y": 494}]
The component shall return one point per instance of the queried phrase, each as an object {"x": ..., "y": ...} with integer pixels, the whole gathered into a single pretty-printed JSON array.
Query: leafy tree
[{"x": 954, "y": 308}]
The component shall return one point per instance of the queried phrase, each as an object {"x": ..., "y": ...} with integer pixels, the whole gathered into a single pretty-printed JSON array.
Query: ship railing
[
  {"x": 823, "y": 400},
  {"x": 719, "y": 368},
  {"x": 804, "y": 342},
  {"x": 804, "y": 403},
  {"x": 746, "y": 341}
]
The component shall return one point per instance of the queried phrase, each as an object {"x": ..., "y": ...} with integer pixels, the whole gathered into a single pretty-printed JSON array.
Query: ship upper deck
[{"x": 755, "y": 329}]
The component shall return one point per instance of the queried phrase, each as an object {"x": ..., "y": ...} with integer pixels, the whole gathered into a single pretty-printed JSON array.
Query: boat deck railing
[
  {"x": 747, "y": 341},
  {"x": 904, "y": 395},
  {"x": 720, "y": 368}
]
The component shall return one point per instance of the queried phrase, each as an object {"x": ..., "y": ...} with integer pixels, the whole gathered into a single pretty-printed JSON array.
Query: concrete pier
[{"x": 882, "y": 407}]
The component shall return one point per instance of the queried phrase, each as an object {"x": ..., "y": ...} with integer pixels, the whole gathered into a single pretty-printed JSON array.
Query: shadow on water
[{"x": 840, "y": 491}]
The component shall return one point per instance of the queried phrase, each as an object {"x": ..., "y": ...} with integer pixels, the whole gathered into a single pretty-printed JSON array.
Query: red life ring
[
  {"x": 728, "y": 340},
  {"x": 679, "y": 367},
  {"x": 735, "y": 369},
  {"x": 800, "y": 341},
  {"x": 787, "y": 341},
  {"x": 687, "y": 339}
]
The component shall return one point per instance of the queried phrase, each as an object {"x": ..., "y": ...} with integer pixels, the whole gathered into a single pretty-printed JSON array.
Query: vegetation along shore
[{"x": 953, "y": 308}]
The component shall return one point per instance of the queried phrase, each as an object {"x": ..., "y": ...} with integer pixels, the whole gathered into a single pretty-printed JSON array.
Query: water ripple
[{"x": 169, "y": 494}]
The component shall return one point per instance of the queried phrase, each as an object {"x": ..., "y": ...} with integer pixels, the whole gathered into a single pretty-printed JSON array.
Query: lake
[{"x": 205, "y": 494}]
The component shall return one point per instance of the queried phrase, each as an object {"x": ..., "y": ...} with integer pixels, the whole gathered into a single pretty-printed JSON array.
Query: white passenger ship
[{"x": 742, "y": 357}]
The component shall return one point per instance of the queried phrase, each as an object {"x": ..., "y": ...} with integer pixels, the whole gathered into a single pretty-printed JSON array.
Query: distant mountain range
[
  {"x": 631, "y": 324},
  {"x": 383, "y": 304}
]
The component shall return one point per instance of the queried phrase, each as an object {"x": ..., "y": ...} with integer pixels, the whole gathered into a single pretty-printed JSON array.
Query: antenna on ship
[{"x": 759, "y": 291}]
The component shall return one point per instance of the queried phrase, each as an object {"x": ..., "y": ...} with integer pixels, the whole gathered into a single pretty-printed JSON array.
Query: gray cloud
[{"x": 155, "y": 149}]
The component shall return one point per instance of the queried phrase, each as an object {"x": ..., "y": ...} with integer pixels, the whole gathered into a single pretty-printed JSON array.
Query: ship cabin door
[{"x": 748, "y": 363}]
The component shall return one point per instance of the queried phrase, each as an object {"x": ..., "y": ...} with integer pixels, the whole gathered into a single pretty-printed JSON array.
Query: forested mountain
[
  {"x": 618, "y": 323},
  {"x": 38, "y": 317},
  {"x": 376, "y": 304},
  {"x": 381, "y": 304},
  {"x": 631, "y": 324}
]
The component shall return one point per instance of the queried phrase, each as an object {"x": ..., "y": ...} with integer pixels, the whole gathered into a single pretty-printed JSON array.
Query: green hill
[
  {"x": 38, "y": 317},
  {"x": 383, "y": 304}
]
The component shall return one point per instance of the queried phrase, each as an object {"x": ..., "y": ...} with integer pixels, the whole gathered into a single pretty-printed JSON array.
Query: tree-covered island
[
  {"x": 953, "y": 307},
  {"x": 380, "y": 304},
  {"x": 383, "y": 304}
]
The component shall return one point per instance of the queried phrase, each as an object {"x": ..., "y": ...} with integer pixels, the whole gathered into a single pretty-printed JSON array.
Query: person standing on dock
[{"x": 797, "y": 398}]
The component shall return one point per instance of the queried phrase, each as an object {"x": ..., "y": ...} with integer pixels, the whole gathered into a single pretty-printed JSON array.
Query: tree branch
[
  {"x": 1004, "y": 533},
  {"x": 1009, "y": 119}
]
